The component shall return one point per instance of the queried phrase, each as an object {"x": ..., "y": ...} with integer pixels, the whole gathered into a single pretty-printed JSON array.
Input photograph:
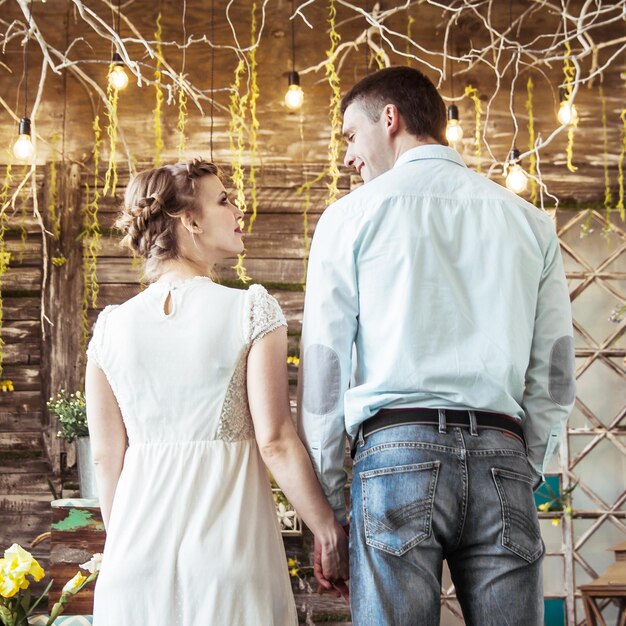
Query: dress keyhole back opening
[{"x": 168, "y": 306}]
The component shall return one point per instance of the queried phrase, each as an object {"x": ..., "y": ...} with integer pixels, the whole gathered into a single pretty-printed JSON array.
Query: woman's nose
[{"x": 237, "y": 211}]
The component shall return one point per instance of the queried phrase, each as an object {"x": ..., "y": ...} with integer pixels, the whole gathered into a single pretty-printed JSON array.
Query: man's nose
[{"x": 348, "y": 160}]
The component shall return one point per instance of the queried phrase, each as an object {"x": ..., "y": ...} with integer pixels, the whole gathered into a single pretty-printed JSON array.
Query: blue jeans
[{"x": 420, "y": 496}]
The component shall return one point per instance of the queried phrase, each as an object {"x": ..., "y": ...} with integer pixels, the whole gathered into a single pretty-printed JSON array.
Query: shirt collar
[{"x": 430, "y": 151}]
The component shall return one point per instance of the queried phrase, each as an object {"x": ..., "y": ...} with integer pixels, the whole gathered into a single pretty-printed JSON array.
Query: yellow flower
[
  {"x": 10, "y": 584},
  {"x": 22, "y": 563},
  {"x": 568, "y": 510},
  {"x": 556, "y": 521},
  {"x": 73, "y": 585},
  {"x": 292, "y": 562},
  {"x": 544, "y": 507},
  {"x": 294, "y": 572}
]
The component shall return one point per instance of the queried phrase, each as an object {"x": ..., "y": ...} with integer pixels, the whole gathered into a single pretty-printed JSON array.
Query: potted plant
[{"x": 72, "y": 413}]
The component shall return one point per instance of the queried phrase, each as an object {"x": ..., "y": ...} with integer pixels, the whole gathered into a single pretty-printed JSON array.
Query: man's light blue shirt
[{"x": 431, "y": 286}]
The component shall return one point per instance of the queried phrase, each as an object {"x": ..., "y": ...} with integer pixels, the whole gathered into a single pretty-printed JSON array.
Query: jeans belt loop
[
  {"x": 472, "y": 423},
  {"x": 442, "y": 420}
]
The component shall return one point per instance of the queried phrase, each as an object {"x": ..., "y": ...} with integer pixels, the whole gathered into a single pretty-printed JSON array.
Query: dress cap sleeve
[
  {"x": 96, "y": 345},
  {"x": 264, "y": 314}
]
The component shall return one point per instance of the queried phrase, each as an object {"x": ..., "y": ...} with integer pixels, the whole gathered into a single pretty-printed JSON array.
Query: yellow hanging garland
[
  {"x": 91, "y": 234},
  {"x": 110, "y": 178},
  {"x": 608, "y": 196},
  {"x": 306, "y": 205},
  {"x": 532, "y": 167},
  {"x": 237, "y": 109},
  {"x": 569, "y": 74},
  {"x": 335, "y": 102},
  {"x": 5, "y": 255},
  {"x": 472, "y": 93},
  {"x": 182, "y": 117},
  {"x": 620, "y": 167},
  {"x": 254, "y": 122},
  {"x": 23, "y": 215},
  {"x": 5, "y": 258},
  {"x": 380, "y": 57},
  {"x": 159, "y": 145}
]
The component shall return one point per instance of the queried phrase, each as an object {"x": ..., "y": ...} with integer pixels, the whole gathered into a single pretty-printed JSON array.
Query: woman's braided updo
[{"x": 155, "y": 199}]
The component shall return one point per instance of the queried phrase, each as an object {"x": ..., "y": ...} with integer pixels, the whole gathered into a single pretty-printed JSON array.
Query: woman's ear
[{"x": 189, "y": 223}]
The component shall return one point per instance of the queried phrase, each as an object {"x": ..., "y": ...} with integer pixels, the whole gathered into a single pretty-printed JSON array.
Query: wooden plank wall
[{"x": 24, "y": 466}]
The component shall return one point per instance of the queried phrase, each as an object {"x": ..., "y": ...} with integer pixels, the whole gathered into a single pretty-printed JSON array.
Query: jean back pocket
[
  {"x": 520, "y": 524},
  {"x": 398, "y": 505}
]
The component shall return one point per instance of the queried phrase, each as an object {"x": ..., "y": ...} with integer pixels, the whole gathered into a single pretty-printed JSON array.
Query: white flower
[
  {"x": 285, "y": 515},
  {"x": 93, "y": 564},
  {"x": 74, "y": 584}
]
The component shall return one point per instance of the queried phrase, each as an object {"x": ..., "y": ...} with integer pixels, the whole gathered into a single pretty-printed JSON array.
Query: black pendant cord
[
  {"x": 184, "y": 24},
  {"x": 26, "y": 46},
  {"x": 293, "y": 38},
  {"x": 212, "y": 75}
]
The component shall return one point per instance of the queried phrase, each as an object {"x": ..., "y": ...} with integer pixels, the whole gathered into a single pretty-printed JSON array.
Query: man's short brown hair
[{"x": 416, "y": 98}]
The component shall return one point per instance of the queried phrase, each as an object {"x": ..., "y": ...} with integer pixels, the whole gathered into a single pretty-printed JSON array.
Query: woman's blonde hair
[{"x": 155, "y": 199}]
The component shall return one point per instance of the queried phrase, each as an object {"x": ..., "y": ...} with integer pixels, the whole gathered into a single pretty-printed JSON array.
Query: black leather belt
[{"x": 387, "y": 418}]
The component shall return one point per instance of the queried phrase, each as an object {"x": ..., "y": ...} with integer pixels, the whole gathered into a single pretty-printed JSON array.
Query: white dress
[{"x": 193, "y": 538}]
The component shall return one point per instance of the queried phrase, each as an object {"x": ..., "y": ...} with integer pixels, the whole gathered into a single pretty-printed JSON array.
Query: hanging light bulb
[
  {"x": 118, "y": 78},
  {"x": 454, "y": 130},
  {"x": 23, "y": 148},
  {"x": 516, "y": 177},
  {"x": 567, "y": 113},
  {"x": 294, "y": 96}
]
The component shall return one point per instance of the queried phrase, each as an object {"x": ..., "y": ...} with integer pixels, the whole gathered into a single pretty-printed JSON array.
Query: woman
[{"x": 187, "y": 395}]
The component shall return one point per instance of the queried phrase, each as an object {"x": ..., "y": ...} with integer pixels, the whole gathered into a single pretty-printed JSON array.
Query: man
[{"x": 437, "y": 333}]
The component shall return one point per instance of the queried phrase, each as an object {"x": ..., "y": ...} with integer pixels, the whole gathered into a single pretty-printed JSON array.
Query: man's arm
[
  {"x": 328, "y": 333},
  {"x": 550, "y": 378}
]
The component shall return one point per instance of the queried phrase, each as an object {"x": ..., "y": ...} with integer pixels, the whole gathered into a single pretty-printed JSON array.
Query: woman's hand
[{"x": 331, "y": 561}]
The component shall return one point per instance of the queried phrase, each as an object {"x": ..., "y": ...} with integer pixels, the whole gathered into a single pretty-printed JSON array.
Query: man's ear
[
  {"x": 391, "y": 117},
  {"x": 189, "y": 224}
]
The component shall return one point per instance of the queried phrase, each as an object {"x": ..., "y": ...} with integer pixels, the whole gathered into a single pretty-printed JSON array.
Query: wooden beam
[{"x": 62, "y": 358}]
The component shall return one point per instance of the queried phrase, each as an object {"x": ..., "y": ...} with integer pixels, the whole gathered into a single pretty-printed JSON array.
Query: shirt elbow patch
[
  {"x": 562, "y": 383},
  {"x": 322, "y": 379}
]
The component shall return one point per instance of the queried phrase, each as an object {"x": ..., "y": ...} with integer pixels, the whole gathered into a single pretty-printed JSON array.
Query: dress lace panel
[
  {"x": 235, "y": 420},
  {"x": 265, "y": 314}
]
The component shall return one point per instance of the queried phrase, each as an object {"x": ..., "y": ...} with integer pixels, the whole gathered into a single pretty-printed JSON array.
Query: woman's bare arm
[
  {"x": 285, "y": 455},
  {"x": 107, "y": 436}
]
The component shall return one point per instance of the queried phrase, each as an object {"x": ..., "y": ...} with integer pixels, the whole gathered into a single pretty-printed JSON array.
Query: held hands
[{"x": 331, "y": 562}]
